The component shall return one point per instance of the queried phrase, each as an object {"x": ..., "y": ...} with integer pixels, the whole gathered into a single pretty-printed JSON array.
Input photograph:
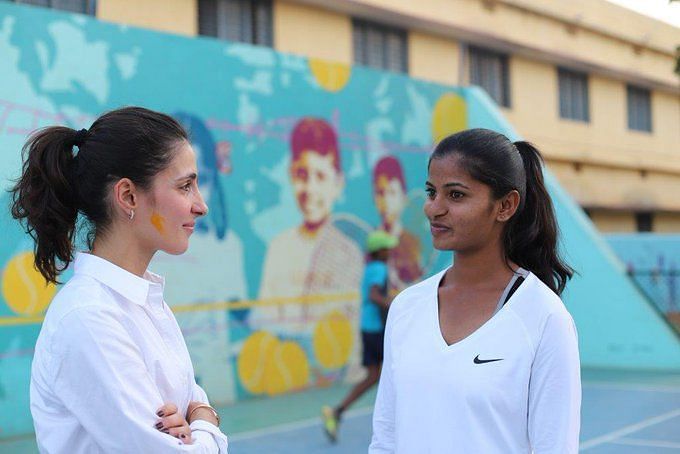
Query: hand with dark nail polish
[{"x": 173, "y": 423}]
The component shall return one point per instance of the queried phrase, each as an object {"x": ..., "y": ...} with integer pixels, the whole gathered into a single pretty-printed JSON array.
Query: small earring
[{"x": 132, "y": 214}]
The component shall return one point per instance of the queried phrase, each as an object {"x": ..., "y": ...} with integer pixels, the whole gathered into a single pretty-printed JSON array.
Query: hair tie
[{"x": 80, "y": 137}]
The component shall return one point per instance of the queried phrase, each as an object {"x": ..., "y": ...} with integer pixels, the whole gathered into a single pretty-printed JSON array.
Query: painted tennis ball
[
  {"x": 332, "y": 340},
  {"x": 448, "y": 116},
  {"x": 330, "y": 76},
  {"x": 287, "y": 369},
  {"x": 252, "y": 360},
  {"x": 24, "y": 288}
]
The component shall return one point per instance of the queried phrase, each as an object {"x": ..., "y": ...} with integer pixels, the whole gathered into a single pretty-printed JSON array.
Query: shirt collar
[{"x": 142, "y": 291}]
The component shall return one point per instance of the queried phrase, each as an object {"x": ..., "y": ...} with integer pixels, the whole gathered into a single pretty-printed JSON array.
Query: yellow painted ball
[
  {"x": 253, "y": 358},
  {"x": 287, "y": 369},
  {"x": 448, "y": 116},
  {"x": 332, "y": 340},
  {"x": 24, "y": 288},
  {"x": 331, "y": 76}
]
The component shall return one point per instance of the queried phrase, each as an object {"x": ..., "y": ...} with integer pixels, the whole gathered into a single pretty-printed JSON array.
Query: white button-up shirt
[{"x": 109, "y": 355}]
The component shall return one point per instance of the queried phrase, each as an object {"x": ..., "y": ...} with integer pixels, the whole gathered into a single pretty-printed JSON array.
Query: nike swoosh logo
[{"x": 482, "y": 361}]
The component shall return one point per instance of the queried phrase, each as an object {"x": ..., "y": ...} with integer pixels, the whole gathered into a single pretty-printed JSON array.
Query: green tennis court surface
[{"x": 622, "y": 413}]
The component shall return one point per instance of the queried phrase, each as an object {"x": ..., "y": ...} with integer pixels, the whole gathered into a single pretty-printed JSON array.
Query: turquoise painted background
[{"x": 242, "y": 105}]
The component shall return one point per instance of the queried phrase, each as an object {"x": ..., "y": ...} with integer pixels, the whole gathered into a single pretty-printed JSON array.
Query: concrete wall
[
  {"x": 173, "y": 16},
  {"x": 313, "y": 32},
  {"x": 434, "y": 58},
  {"x": 613, "y": 221},
  {"x": 666, "y": 223}
]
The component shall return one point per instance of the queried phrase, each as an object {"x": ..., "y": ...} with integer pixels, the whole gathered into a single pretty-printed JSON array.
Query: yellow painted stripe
[
  {"x": 221, "y": 305},
  {"x": 10, "y": 321}
]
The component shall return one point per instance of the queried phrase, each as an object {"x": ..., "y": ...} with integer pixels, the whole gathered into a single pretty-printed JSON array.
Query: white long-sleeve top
[
  {"x": 108, "y": 356},
  {"x": 512, "y": 386}
]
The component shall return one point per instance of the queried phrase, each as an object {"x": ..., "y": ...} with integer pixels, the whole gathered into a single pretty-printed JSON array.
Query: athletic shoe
[{"x": 330, "y": 423}]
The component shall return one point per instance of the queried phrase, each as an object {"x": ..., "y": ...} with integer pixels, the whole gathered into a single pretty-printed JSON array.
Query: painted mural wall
[{"x": 299, "y": 159}]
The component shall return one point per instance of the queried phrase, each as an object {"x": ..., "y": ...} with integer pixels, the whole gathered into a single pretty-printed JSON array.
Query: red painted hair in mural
[
  {"x": 390, "y": 167},
  {"x": 315, "y": 134}
]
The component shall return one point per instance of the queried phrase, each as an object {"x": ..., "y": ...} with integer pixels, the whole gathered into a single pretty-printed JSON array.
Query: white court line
[
  {"x": 628, "y": 429},
  {"x": 649, "y": 443},
  {"x": 305, "y": 423}
]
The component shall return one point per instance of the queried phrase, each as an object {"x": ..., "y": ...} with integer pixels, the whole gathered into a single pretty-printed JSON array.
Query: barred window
[
  {"x": 639, "y": 109},
  {"x": 246, "y": 21},
  {"x": 379, "y": 46},
  {"x": 489, "y": 70},
  {"x": 574, "y": 103},
  {"x": 644, "y": 221},
  {"x": 74, "y": 6}
]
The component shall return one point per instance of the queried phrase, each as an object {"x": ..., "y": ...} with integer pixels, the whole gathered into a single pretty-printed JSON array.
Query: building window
[
  {"x": 379, "y": 46},
  {"x": 489, "y": 70},
  {"x": 246, "y": 21},
  {"x": 74, "y": 6},
  {"x": 644, "y": 221},
  {"x": 573, "y": 88},
  {"x": 639, "y": 109}
]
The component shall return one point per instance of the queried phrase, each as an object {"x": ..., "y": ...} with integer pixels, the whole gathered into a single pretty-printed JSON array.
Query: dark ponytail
[
  {"x": 58, "y": 183},
  {"x": 530, "y": 237},
  {"x": 45, "y": 197}
]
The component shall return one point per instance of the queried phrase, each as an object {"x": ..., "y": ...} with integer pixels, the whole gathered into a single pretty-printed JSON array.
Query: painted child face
[
  {"x": 168, "y": 214},
  {"x": 390, "y": 199},
  {"x": 461, "y": 210},
  {"x": 316, "y": 184}
]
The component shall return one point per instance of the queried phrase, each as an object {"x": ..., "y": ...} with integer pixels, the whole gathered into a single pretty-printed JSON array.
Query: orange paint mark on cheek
[{"x": 157, "y": 221}]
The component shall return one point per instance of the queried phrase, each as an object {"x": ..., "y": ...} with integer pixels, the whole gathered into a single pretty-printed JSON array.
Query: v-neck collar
[{"x": 434, "y": 305}]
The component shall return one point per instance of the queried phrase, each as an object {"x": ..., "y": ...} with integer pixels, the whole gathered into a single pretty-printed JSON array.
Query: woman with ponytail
[
  {"x": 483, "y": 356},
  {"x": 111, "y": 371}
]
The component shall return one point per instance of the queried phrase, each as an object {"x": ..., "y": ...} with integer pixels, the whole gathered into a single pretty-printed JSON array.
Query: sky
[{"x": 658, "y": 9}]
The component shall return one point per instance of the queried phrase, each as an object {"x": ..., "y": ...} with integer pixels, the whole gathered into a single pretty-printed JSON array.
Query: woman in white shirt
[
  {"x": 483, "y": 356},
  {"x": 111, "y": 372}
]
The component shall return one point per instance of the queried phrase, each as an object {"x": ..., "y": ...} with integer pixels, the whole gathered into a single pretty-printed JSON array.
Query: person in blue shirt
[{"x": 375, "y": 301}]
